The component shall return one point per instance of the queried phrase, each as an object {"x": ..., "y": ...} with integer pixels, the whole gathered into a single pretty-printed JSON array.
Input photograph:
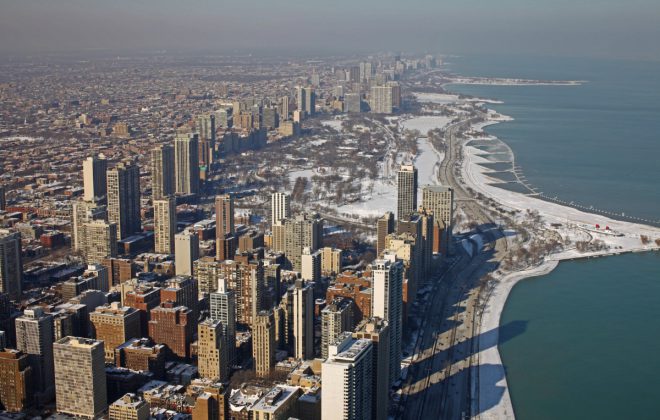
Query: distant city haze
[{"x": 597, "y": 28}]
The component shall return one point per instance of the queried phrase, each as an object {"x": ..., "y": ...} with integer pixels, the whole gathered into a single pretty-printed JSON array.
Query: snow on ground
[
  {"x": 379, "y": 197},
  {"x": 573, "y": 223},
  {"x": 336, "y": 124},
  {"x": 436, "y": 98},
  {"x": 426, "y": 123},
  {"x": 427, "y": 163}
]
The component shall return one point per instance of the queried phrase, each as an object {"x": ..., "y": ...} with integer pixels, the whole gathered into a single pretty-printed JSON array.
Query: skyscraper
[
  {"x": 80, "y": 377},
  {"x": 387, "y": 305},
  {"x": 99, "y": 241},
  {"x": 34, "y": 337},
  {"x": 205, "y": 125},
  {"x": 347, "y": 381},
  {"x": 15, "y": 380},
  {"x": 302, "y": 231},
  {"x": 303, "y": 321},
  {"x": 331, "y": 260},
  {"x": 173, "y": 326},
  {"x": 310, "y": 101},
  {"x": 3, "y": 197},
  {"x": 224, "y": 227},
  {"x": 164, "y": 224},
  {"x": 222, "y": 305},
  {"x": 186, "y": 163},
  {"x": 384, "y": 226},
  {"x": 381, "y": 100},
  {"x": 310, "y": 265},
  {"x": 263, "y": 343},
  {"x": 352, "y": 103},
  {"x": 378, "y": 331},
  {"x": 162, "y": 171},
  {"x": 84, "y": 212},
  {"x": 211, "y": 351},
  {"x": 186, "y": 251},
  {"x": 114, "y": 325},
  {"x": 11, "y": 264},
  {"x": 280, "y": 207},
  {"x": 440, "y": 201},
  {"x": 406, "y": 191},
  {"x": 94, "y": 177},
  {"x": 124, "y": 199},
  {"x": 336, "y": 318}
]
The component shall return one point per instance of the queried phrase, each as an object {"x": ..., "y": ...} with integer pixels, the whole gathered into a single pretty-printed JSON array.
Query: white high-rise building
[
  {"x": 303, "y": 321},
  {"x": 387, "y": 304},
  {"x": 280, "y": 207},
  {"x": 99, "y": 241},
  {"x": 11, "y": 264},
  {"x": 336, "y": 318},
  {"x": 164, "y": 224},
  {"x": 186, "y": 251},
  {"x": 310, "y": 262},
  {"x": 347, "y": 380},
  {"x": 94, "y": 178},
  {"x": 186, "y": 163},
  {"x": 222, "y": 306}
]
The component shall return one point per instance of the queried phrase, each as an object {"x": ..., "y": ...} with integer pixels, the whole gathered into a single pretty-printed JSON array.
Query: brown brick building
[
  {"x": 173, "y": 326},
  {"x": 15, "y": 380},
  {"x": 114, "y": 325},
  {"x": 355, "y": 286}
]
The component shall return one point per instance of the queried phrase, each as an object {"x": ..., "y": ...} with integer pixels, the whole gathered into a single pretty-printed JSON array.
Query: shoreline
[{"x": 493, "y": 391}]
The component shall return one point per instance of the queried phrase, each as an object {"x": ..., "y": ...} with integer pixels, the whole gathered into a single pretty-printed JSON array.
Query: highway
[{"x": 441, "y": 375}]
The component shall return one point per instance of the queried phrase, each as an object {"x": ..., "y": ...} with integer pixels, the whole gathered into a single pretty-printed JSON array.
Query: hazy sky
[{"x": 609, "y": 28}]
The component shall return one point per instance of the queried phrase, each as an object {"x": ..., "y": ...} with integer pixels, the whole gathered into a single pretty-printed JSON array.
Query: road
[{"x": 441, "y": 377}]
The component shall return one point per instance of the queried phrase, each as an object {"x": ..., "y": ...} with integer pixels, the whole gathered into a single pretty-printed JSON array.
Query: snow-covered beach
[{"x": 566, "y": 221}]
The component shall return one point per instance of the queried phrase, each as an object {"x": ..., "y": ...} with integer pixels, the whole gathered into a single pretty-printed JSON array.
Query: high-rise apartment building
[
  {"x": 207, "y": 271},
  {"x": 406, "y": 203},
  {"x": 205, "y": 125},
  {"x": 15, "y": 380},
  {"x": 280, "y": 207},
  {"x": 331, "y": 259},
  {"x": 80, "y": 381},
  {"x": 211, "y": 351},
  {"x": 224, "y": 226},
  {"x": 381, "y": 99},
  {"x": 114, "y": 324},
  {"x": 439, "y": 200},
  {"x": 302, "y": 231},
  {"x": 173, "y": 326},
  {"x": 11, "y": 264},
  {"x": 3, "y": 197},
  {"x": 384, "y": 226},
  {"x": 186, "y": 163},
  {"x": 347, "y": 381},
  {"x": 303, "y": 321},
  {"x": 353, "y": 103},
  {"x": 94, "y": 178},
  {"x": 222, "y": 308},
  {"x": 162, "y": 171},
  {"x": 99, "y": 241},
  {"x": 164, "y": 224},
  {"x": 336, "y": 318},
  {"x": 310, "y": 265},
  {"x": 263, "y": 343},
  {"x": 181, "y": 291},
  {"x": 34, "y": 337},
  {"x": 84, "y": 212},
  {"x": 388, "y": 305},
  {"x": 123, "y": 186},
  {"x": 378, "y": 331},
  {"x": 186, "y": 252}
]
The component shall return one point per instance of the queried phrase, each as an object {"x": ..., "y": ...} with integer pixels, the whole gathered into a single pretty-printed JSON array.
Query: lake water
[{"x": 591, "y": 346}]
